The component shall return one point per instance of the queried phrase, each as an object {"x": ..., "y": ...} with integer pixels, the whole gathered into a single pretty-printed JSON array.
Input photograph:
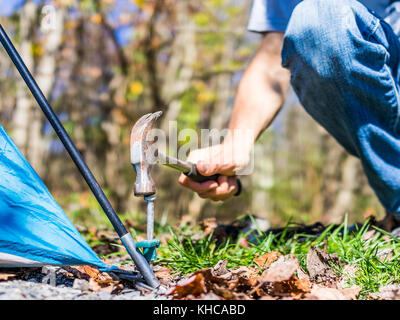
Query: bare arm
[
  {"x": 260, "y": 96},
  {"x": 262, "y": 90}
]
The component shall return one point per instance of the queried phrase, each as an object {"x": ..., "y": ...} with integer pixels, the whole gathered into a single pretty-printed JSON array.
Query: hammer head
[{"x": 141, "y": 158}]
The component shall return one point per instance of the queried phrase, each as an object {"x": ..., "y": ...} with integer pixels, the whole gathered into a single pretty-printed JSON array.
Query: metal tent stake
[{"x": 126, "y": 238}]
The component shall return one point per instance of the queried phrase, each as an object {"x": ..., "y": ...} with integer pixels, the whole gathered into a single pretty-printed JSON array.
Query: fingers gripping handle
[
  {"x": 196, "y": 176},
  {"x": 190, "y": 170}
]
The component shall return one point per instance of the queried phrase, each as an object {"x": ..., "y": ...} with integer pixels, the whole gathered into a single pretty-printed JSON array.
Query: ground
[
  {"x": 70, "y": 283},
  {"x": 209, "y": 261}
]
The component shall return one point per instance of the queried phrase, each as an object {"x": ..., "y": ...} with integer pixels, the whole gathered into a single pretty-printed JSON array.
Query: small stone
[
  {"x": 132, "y": 294},
  {"x": 396, "y": 232},
  {"x": 81, "y": 284},
  {"x": 104, "y": 295},
  {"x": 50, "y": 272},
  {"x": 49, "y": 269}
]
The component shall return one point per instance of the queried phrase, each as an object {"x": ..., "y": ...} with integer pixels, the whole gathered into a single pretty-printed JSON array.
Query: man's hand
[{"x": 220, "y": 159}]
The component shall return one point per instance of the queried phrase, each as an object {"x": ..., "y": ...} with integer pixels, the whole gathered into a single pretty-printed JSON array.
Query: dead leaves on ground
[
  {"x": 98, "y": 281},
  {"x": 281, "y": 278},
  {"x": 7, "y": 276},
  {"x": 163, "y": 274},
  {"x": 208, "y": 225},
  {"x": 219, "y": 281},
  {"x": 266, "y": 259},
  {"x": 324, "y": 293},
  {"x": 319, "y": 266},
  {"x": 388, "y": 292},
  {"x": 193, "y": 286}
]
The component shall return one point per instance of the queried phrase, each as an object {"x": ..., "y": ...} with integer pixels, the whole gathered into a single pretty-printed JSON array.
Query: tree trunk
[
  {"x": 23, "y": 108},
  {"x": 180, "y": 67},
  {"x": 45, "y": 77}
]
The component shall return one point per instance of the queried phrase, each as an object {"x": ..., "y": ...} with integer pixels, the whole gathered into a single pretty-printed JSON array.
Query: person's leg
[{"x": 344, "y": 68}]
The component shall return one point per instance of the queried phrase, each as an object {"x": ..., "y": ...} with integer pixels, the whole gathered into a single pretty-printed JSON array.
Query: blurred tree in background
[{"x": 103, "y": 64}]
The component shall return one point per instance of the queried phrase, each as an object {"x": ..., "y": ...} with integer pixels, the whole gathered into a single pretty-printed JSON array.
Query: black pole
[{"x": 137, "y": 257}]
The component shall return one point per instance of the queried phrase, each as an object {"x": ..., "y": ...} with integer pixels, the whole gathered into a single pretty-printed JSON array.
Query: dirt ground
[{"x": 71, "y": 283}]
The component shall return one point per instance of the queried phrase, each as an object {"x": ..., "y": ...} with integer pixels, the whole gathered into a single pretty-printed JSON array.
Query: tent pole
[{"x": 126, "y": 238}]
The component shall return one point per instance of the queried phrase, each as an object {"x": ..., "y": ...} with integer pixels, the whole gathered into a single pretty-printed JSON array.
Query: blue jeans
[{"x": 344, "y": 63}]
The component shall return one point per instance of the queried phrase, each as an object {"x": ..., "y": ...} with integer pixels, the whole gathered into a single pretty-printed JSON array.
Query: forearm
[{"x": 262, "y": 90}]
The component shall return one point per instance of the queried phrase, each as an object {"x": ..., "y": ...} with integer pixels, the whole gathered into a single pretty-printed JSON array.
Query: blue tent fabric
[{"x": 32, "y": 225}]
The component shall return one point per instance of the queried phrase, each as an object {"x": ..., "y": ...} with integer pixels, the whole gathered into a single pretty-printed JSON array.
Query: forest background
[{"x": 104, "y": 64}]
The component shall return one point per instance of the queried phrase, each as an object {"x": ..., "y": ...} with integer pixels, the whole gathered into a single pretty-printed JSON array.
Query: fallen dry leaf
[
  {"x": 267, "y": 297},
  {"x": 205, "y": 296},
  {"x": 368, "y": 235},
  {"x": 388, "y": 292},
  {"x": 208, "y": 225},
  {"x": 281, "y": 270},
  {"x": 318, "y": 265},
  {"x": 302, "y": 285},
  {"x": 301, "y": 274},
  {"x": 90, "y": 271},
  {"x": 75, "y": 272},
  {"x": 97, "y": 280},
  {"x": 241, "y": 272},
  {"x": 284, "y": 279},
  {"x": 226, "y": 284},
  {"x": 266, "y": 259},
  {"x": 281, "y": 281},
  {"x": 220, "y": 272},
  {"x": 210, "y": 278},
  {"x": 193, "y": 286},
  {"x": 6, "y": 276},
  {"x": 294, "y": 287},
  {"x": 351, "y": 293},
  {"x": 220, "y": 268},
  {"x": 164, "y": 275},
  {"x": 110, "y": 287},
  {"x": 225, "y": 292},
  {"x": 324, "y": 293},
  {"x": 93, "y": 285},
  {"x": 95, "y": 274}
]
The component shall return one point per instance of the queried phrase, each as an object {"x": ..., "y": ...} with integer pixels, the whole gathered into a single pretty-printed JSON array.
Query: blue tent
[{"x": 34, "y": 230}]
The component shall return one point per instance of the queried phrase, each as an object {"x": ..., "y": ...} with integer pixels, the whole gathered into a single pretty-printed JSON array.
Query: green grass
[{"x": 185, "y": 255}]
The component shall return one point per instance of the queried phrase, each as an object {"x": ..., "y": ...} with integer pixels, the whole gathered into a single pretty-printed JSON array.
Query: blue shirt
[{"x": 273, "y": 15}]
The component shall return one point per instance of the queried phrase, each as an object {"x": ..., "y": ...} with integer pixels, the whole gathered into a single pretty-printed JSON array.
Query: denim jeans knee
[
  {"x": 320, "y": 33},
  {"x": 343, "y": 62}
]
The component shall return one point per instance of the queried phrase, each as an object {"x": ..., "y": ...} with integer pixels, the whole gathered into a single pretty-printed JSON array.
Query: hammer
[{"x": 141, "y": 159}]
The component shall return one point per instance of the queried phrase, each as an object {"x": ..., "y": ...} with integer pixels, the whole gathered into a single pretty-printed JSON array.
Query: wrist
[
  {"x": 241, "y": 141},
  {"x": 237, "y": 148}
]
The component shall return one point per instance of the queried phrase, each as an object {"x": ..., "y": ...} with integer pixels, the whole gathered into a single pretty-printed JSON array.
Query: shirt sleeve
[{"x": 270, "y": 15}]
